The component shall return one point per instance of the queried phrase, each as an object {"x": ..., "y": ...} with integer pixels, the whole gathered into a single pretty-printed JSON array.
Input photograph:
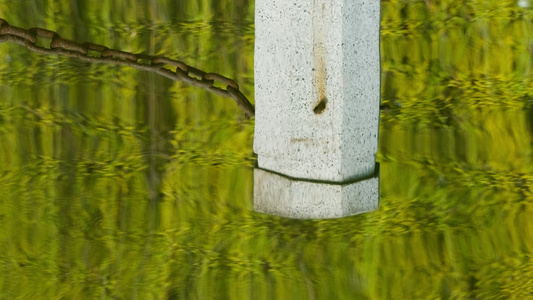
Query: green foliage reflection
[{"x": 119, "y": 184}]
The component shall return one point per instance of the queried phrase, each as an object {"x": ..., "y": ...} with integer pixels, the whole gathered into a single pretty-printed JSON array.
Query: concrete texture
[
  {"x": 317, "y": 85},
  {"x": 308, "y": 52},
  {"x": 279, "y": 195}
]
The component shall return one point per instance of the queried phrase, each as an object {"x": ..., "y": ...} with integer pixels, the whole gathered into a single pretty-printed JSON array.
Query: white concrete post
[{"x": 317, "y": 85}]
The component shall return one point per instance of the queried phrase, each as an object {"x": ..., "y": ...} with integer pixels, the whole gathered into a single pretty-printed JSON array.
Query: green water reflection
[{"x": 121, "y": 184}]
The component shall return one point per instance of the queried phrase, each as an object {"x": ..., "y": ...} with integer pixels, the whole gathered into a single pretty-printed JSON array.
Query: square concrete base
[{"x": 300, "y": 199}]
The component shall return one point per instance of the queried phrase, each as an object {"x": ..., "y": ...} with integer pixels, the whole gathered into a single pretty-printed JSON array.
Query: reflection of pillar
[{"x": 317, "y": 84}]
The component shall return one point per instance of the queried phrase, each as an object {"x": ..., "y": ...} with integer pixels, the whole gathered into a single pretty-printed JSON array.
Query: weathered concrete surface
[
  {"x": 307, "y": 52},
  {"x": 279, "y": 195},
  {"x": 317, "y": 89}
]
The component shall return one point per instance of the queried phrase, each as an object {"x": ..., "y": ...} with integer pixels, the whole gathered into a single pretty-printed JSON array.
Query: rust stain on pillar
[{"x": 319, "y": 55}]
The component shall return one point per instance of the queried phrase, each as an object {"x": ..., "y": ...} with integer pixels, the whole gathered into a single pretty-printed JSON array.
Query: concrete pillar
[{"x": 317, "y": 85}]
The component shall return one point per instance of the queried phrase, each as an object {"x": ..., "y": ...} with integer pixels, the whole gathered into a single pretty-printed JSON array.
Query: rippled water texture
[{"x": 121, "y": 184}]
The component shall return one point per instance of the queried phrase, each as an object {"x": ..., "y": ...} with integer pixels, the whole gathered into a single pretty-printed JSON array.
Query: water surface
[{"x": 121, "y": 184}]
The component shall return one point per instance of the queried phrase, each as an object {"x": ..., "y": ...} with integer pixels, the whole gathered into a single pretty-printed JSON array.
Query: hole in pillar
[{"x": 321, "y": 106}]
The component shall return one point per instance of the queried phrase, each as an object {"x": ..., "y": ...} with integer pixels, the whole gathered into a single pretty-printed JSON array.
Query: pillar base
[{"x": 280, "y": 195}]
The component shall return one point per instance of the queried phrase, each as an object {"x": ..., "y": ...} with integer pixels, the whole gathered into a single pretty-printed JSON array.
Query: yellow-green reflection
[{"x": 117, "y": 183}]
